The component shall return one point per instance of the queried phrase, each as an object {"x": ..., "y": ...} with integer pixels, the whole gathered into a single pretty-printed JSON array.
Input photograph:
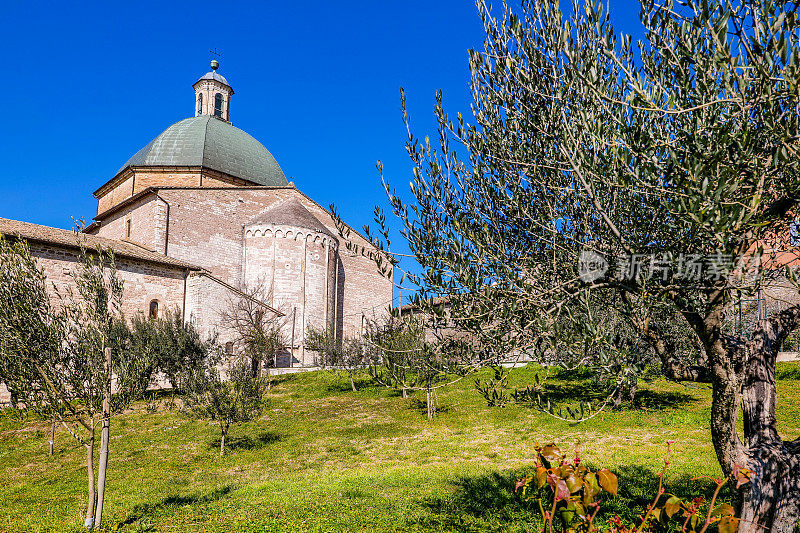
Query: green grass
[{"x": 326, "y": 459}]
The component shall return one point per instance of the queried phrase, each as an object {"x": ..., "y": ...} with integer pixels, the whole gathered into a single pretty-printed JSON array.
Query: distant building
[{"x": 203, "y": 213}]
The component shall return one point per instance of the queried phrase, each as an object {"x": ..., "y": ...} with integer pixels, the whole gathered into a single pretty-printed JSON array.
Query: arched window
[
  {"x": 218, "y": 105},
  {"x": 128, "y": 228},
  {"x": 200, "y": 104},
  {"x": 153, "y": 312}
]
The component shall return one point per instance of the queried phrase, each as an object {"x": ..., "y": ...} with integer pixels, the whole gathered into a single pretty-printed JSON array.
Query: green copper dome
[{"x": 206, "y": 141}]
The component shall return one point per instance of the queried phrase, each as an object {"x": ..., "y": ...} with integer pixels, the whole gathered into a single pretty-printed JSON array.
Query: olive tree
[
  {"x": 60, "y": 356},
  {"x": 350, "y": 354},
  {"x": 168, "y": 345},
  {"x": 235, "y": 398},
  {"x": 410, "y": 354},
  {"x": 661, "y": 175}
]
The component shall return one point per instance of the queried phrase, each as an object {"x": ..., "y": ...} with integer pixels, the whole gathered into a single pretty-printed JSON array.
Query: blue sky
[{"x": 88, "y": 84}]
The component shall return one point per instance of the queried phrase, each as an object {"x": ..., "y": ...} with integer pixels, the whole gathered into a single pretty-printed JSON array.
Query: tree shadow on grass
[
  {"x": 583, "y": 391},
  {"x": 480, "y": 503},
  {"x": 248, "y": 442},
  {"x": 342, "y": 383},
  {"x": 421, "y": 405},
  {"x": 649, "y": 399},
  {"x": 489, "y": 502},
  {"x": 147, "y": 510}
]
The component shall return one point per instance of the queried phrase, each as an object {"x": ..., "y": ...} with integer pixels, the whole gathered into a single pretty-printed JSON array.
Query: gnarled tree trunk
[
  {"x": 625, "y": 393},
  {"x": 773, "y": 497}
]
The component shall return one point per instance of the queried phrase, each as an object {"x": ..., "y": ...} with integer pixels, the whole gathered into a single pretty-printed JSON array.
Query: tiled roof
[
  {"x": 67, "y": 238},
  {"x": 208, "y": 142},
  {"x": 291, "y": 213}
]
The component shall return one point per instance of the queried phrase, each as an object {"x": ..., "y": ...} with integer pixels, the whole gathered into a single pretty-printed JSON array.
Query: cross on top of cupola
[{"x": 213, "y": 94}]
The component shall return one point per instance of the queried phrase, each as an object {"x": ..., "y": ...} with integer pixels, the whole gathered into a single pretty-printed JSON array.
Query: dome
[
  {"x": 214, "y": 76},
  {"x": 208, "y": 142}
]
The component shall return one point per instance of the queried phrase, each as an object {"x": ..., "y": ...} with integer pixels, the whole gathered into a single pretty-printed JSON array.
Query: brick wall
[
  {"x": 207, "y": 226},
  {"x": 136, "y": 180},
  {"x": 147, "y": 218},
  {"x": 142, "y": 281}
]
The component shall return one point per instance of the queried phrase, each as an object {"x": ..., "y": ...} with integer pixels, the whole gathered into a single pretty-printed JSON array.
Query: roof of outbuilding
[
  {"x": 210, "y": 142},
  {"x": 291, "y": 213},
  {"x": 69, "y": 239}
]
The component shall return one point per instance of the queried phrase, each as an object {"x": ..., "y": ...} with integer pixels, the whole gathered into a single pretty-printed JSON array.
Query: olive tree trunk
[
  {"x": 773, "y": 500},
  {"x": 104, "y": 441},
  {"x": 88, "y": 522},
  {"x": 52, "y": 433},
  {"x": 625, "y": 393},
  {"x": 745, "y": 375},
  {"x": 224, "y": 429}
]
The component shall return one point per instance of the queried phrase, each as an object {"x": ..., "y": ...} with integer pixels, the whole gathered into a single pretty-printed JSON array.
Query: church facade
[{"x": 203, "y": 215}]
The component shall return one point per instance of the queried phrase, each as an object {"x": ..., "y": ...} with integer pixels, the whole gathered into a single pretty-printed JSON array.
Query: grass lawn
[{"x": 323, "y": 458}]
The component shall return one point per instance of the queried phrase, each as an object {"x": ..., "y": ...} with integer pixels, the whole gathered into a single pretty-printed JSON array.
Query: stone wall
[
  {"x": 143, "y": 282},
  {"x": 147, "y": 217},
  {"x": 206, "y": 301}
]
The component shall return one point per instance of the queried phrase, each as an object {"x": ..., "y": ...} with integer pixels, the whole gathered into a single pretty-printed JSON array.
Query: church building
[{"x": 203, "y": 215}]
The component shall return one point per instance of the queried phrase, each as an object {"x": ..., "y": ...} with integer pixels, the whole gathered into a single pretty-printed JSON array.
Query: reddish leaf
[
  {"x": 562, "y": 491},
  {"x": 552, "y": 454},
  {"x": 607, "y": 480},
  {"x": 741, "y": 475},
  {"x": 541, "y": 476}
]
